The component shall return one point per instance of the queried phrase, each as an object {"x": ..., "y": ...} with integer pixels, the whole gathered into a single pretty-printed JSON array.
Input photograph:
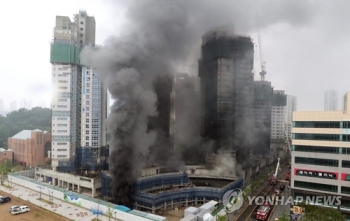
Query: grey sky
[{"x": 305, "y": 44}]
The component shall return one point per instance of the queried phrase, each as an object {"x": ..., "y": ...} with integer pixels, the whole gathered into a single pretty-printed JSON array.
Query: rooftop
[{"x": 25, "y": 134}]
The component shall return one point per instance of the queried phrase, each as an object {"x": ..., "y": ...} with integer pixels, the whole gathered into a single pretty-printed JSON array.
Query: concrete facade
[
  {"x": 79, "y": 98},
  {"x": 31, "y": 147},
  {"x": 321, "y": 153},
  {"x": 68, "y": 181}
]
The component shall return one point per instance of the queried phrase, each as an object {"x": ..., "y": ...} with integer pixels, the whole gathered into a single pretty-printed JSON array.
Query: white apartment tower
[
  {"x": 278, "y": 113},
  {"x": 290, "y": 107},
  {"x": 78, "y": 96},
  {"x": 331, "y": 100},
  {"x": 2, "y": 105},
  {"x": 13, "y": 106}
]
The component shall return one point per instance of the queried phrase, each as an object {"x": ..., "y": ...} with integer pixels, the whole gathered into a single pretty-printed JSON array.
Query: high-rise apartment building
[
  {"x": 79, "y": 97},
  {"x": 2, "y": 105},
  {"x": 184, "y": 104},
  {"x": 23, "y": 103},
  {"x": 290, "y": 108},
  {"x": 226, "y": 82},
  {"x": 278, "y": 113},
  {"x": 320, "y": 154},
  {"x": 13, "y": 106},
  {"x": 263, "y": 94},
  {"x": 331, "y": 100}
]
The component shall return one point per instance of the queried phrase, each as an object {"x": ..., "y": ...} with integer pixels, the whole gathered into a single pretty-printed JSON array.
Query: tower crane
[{"x": 262, "y": 62}]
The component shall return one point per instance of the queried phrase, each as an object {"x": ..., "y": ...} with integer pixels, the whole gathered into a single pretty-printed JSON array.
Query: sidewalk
[{"x": 60, "y": 207}]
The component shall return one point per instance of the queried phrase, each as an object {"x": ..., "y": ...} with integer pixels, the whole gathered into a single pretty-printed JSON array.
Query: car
[
  {"x": 13, "y": 207},
  {"x": 5, "y": 199},
  {"x": 19, "y": 209}
]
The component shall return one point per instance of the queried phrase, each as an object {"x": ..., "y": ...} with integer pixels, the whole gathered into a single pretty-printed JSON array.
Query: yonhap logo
[
  {"x": 233, "y": 200},
  {"x": 290, "y": 200}
]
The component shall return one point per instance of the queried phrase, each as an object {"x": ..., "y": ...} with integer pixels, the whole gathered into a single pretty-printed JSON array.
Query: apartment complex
[
  {"x": 321, "y": 153},
  {"x": 31, "y": 147},
  {"x": 79, "y": 97}
]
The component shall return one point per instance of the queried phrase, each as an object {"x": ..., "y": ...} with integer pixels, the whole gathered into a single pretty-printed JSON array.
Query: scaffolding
[
  {"x": 86, "y": 159},
  {"x": 170, "y": 190},
  {"x": 65, "y": 52}
]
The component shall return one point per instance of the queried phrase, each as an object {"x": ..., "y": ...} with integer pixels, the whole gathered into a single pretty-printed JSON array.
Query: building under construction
[
  {"x": 227, "y": 92},
  {"x": 159, "y": 190}
]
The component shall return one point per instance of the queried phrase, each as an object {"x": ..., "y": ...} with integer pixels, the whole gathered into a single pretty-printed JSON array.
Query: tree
[
  {"x": 221, "y": 218},
  {"x": 284, "y": 217},
  {"x": 16, "y": 121},
  {"x": 317, "y": 213},
  {"x": 109, "y": 212}
]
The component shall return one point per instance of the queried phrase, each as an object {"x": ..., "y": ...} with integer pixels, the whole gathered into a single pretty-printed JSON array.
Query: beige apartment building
[{"x": 321, "y": 153}]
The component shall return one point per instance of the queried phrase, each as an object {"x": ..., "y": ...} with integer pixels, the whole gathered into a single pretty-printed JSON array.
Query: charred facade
[
  {"x": 227, "y": 93},
  {"x": 263, "y": 94}
]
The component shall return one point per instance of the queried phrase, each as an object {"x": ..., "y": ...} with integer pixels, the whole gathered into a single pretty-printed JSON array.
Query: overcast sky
[{"x": 305, "y": 58}]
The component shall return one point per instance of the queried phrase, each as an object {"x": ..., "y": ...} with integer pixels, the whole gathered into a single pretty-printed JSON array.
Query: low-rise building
[
  {"x": 31, "y": 147},
  {"x": 6, "y": 156},
  {"x": 321, "y": 154}
]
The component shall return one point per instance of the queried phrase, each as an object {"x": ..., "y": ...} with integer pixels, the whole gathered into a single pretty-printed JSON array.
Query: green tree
[
  {"x": 16, "y": 121},
  {"x": 317, "y": 213},
  {"x": 220, "y": 218},
  {"x": 109, "y": 212},
  {"x": 284, "y": 217}
]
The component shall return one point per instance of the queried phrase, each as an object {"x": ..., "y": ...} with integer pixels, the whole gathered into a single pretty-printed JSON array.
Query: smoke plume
[{"x": 160, "y": 37}]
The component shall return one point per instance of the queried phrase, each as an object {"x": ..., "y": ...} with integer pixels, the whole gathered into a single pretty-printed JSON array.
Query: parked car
[
  {"x": 19, "y": 209},
  {"x": 12, "y": 208},
  {"x": 4, "y": 199}
]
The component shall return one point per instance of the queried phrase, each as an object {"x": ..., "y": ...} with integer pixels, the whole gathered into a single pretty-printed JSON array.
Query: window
[
  {"x": 87, "y": 114},
  {"x": 87, "y": 144},
  {"x": 81, "y": 29},
  {"x": 62, "y": 125},
  {"x": 346, "y": 164},
  {"x": 87, "y": 84},
  {"x": 87, "y": 126},
  {"x": 330, "y": 137},
  {"x": 87, "y": 120},
  {"x": 345, "y": 189},
  {"x": 87, "y": 102},
  {"x": 316, "y": 186},
  {"x": 81, "y": 35},
  {"x": 62, "y": 106},
  {"x": 317, "y": 124},
  {"x": 61, "y": 131},
  {"x": 87, "y": 108},
  {"x": 62, "y": 100},
  {"x": 87, "y": 90},
  {"x": 315, "y": 149},
  {"x": 61, "y": 150},
  {"x": 87, "y": 138},
  {"x": 87, "y": 96},
  {"x": 81, "y": 22},
  {"x": 61, "y": 144},
  {"x": 317, "y": 161},
  {"x": 61, "y": 118},
  {"x": 87, "y": 132}
]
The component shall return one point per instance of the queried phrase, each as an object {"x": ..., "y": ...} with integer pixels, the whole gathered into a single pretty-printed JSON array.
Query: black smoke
[{"x": 161, "y": 36}]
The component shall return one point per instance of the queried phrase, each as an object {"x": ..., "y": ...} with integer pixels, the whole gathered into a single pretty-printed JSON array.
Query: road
[{"x": 248, "y": 213}]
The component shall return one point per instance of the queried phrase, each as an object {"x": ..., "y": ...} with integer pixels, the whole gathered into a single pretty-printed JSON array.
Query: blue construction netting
[
  {"x": 86, "y": 158},
  {"x": 172, "y": 194}
]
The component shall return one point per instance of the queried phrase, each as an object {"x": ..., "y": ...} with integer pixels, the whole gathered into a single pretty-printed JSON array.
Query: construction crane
[{"x": 262, "y": 62}]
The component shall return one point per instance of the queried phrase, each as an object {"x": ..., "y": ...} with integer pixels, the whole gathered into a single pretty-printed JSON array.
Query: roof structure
[{"x": 25, "y": 134}]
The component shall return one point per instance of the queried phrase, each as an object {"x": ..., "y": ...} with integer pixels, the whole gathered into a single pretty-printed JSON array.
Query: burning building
[{"x": 226, "y": 79}]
